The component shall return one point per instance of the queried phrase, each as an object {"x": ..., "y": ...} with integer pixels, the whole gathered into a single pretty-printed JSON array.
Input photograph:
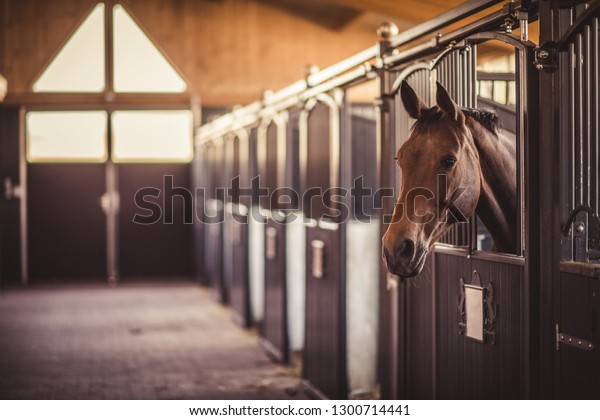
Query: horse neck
[{"x": 498, "y": 196}]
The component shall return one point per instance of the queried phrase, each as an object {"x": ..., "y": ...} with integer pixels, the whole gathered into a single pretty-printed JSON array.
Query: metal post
[{"x": 388, "y": 287}]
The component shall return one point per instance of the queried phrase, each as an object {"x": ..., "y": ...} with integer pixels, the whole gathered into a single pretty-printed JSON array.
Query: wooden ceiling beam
[{"x": 412, "y": 10}]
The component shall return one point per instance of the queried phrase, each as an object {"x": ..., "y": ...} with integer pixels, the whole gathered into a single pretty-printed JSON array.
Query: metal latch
[{"x": 569, "y": 340}]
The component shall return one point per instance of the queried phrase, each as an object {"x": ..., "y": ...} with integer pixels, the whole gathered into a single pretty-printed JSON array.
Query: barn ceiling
[{"x": 337, "y": 14}]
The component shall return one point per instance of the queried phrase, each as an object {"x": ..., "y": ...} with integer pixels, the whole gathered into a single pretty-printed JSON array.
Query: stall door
[
  {"x": 438, "y": 357},
  {"x": 162, "y": 248},
  {"x": 67, "y": 227},
  {"x": 274, "y": 328},
  {"x": 325, "y": 350},
  {"x": 577, "y": 324},
  {"x": 65, "y": 186}
]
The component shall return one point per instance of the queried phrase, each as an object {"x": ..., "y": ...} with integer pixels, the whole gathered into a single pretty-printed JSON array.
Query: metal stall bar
[{"x": 468, "y": 8}]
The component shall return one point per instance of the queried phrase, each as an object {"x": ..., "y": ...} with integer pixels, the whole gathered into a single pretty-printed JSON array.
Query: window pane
[
  {"x": 138, "y": 65},
  {"x": 79, "y": 65},
  {"x": 60, "y": 136},
  {"x": 158, "y": 136}
]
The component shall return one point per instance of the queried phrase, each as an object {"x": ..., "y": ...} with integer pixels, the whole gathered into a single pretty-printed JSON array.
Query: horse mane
[{"x": 488, "y": 119}]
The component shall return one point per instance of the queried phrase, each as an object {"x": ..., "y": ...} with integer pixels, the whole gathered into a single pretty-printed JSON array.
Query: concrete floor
[{"x": 139, "y": 341}]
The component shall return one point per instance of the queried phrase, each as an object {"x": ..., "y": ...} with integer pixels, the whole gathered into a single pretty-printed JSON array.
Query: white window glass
[
  {"x": 138, "y": 65},
  {"x": 79, "y": 65},
  {"x": 59, "y": 136},
  {"x": 152, "y": 136}
]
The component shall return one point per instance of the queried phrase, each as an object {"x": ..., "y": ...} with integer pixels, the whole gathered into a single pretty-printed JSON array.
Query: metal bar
[
  {"x": 414, "y": 53},
  {"x": 23, "y": 204},
  {"x": 586, "y": 114},
  {"x": 571, "y": 136},
  {"x": 291, "y": 90},
  {"x": 521, "y": 105},
  {"x": 460, "y": 12},
  {"x": 112, "y": 224},
  {"x": 352, "y": 77},
  {"x": 595, "y": 113},
  {"x": 588, "y": 15},
  {"x": 489, "y": 21},
  {"x": 343, "y": 66},
  {"x": 108, "y": 47}
]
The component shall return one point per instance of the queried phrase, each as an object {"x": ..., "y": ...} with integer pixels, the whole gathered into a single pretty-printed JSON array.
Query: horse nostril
[
  {"x": 408, "y": 249},
  {"x": 388, "y": 257}
]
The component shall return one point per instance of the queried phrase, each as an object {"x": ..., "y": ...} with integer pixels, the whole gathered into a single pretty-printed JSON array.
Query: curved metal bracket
[{"x": 578, "y": 209}]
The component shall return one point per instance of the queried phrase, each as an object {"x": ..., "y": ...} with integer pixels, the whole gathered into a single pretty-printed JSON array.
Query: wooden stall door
[{"x": 66, "y": 224}]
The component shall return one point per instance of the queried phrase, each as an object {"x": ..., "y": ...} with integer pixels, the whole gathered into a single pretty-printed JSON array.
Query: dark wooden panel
[
  {"x": 578, "y": 370},
  {"x": 364, "y": 160},
  {"x": 388, "y": 339},
  {"x": 213, "y": 239},
  {"x": 239, "y": 288},
  {"x": 67, "y": 228},
  {"x": 213, "y": 257},
  {"x": 292, "y": 160},
  {"x": 162, "y": 248},
  {"x": 416, "y": 315},
  {"x": 324, "y": 353},
  {"x": 198, "y": 189},
  {"x": 318, "y": 161},
  {"x": 10, "y": 249},
  {"x": 275, "y": 331},
  {"x": 468, "y": 369},
  {"x": 267, "y": 164}
]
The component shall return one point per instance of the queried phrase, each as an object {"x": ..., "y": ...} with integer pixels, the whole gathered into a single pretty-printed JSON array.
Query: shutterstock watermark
[{"x": 159, "y": 205}]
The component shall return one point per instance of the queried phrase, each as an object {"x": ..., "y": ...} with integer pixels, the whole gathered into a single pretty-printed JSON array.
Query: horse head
[{"x": 440, "y": 180}]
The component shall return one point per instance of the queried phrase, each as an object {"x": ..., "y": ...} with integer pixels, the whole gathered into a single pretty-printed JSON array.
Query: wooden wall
[{"x": 228, "y": 50}]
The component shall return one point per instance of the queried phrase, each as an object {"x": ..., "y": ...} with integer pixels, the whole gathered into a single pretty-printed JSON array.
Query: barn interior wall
[{"x": 229, "y": 51}]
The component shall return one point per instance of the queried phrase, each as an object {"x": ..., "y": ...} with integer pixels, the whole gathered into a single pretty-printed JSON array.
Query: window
[
  {"x": 79, "y": 65},
  {"x": 164, "y": 136},
  {"x": 62, "y": 136},
  {"x": 138, "y": 65}
]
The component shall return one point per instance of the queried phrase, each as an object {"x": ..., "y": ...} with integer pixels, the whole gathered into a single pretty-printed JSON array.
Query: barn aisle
[{"x": 137, "y": 341}]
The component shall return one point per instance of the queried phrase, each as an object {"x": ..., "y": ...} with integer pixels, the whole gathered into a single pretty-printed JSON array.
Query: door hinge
[
  {"x": 569, "y": 340},
  {"x": 546, "y": 56}
]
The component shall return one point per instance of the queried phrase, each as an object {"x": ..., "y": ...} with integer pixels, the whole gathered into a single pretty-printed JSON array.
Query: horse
[{"x": 464, "y": 150}]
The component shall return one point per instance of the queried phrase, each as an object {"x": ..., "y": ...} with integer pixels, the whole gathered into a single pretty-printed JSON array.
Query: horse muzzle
[{"x": 405, "y": 259}]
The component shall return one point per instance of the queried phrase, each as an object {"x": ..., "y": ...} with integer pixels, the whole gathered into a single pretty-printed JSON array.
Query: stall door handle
[
  {"x": 318, "y": 259},
  {"x": 271, "y": 251}
]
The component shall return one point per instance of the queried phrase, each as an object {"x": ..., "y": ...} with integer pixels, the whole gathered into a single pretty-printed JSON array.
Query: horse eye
[{"x": 448, "y": 162}]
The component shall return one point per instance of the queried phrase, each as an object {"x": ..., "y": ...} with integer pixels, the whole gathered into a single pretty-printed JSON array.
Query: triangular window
[
  {"x": 79, "y": 65},
  {"x": 138, "y": 65}
]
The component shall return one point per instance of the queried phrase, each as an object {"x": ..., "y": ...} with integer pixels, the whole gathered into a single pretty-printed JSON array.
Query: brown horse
[{"x": 462, "y": 155}]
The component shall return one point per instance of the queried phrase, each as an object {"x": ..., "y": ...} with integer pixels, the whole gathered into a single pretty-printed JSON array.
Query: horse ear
[
  {"x": 446, "y": 104},
  {"x": 412, "y": 103}
]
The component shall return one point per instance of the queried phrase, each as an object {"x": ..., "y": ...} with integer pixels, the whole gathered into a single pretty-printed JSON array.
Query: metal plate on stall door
[
  {"x": 271, "y": 245},
  {"x": 318, "y": 259},
  {"x": 474, "y": 312}
]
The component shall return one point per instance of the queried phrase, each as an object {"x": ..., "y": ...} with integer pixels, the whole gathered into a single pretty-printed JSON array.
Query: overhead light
[{"x": 3, "y": 87}]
